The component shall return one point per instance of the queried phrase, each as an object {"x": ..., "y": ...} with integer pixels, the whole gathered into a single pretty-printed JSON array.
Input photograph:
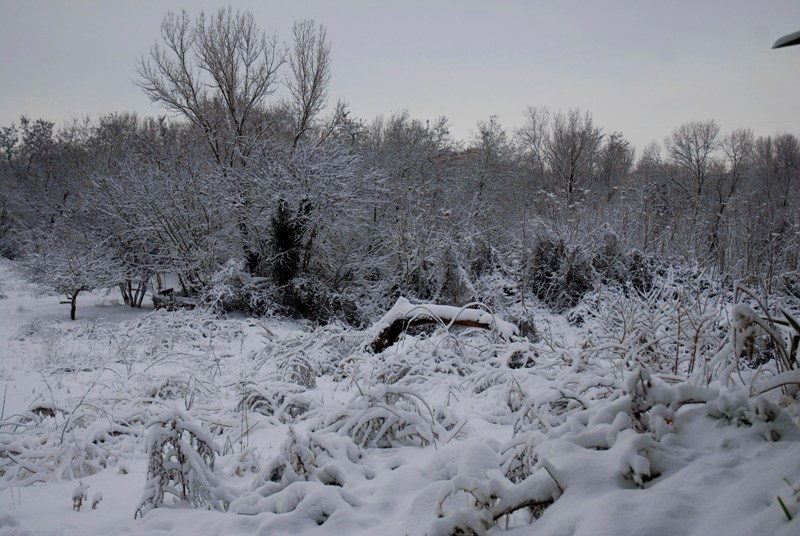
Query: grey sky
[{"x": 640, "y": 67}]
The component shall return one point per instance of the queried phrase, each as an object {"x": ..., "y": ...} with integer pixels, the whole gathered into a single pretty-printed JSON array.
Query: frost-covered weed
[
  {"x": 519, "y": 458},
  {"x": 42, "y": 448},
  {"x": 246, "y": 461},
  {"x": 673, "y": 329},
  {"x": 765, "y": 419},
  {"x": 752, "y": 333},
  {"x": 79, "y": 423},
  {"x": 282, "y": 400},
  {"x": 388, "y": 416},
  {"x": 795, "y": 494},
  {"x": 79, "y": 495},
  {"x": 181, "y": 463},
  {"x": 297, "y": 369},
  {"x": 304, "y": 355}
]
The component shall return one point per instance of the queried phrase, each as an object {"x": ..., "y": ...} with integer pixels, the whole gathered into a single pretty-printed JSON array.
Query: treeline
[{"x": 261, "y": 196}]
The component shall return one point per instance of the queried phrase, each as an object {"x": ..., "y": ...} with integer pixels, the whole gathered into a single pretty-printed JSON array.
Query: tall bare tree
[
  {"x": 787, "y": 160},
  {"x": 737, "y": 165},
  {"x": 217, "y": 73},
  {"x": 615, "y": 164},
  {"x": 309, "y": 77},
  {"x": 560, "y": 151},
  {"x": 572, "y": 151},
  {"x": 691, "y": 147},
  {"x": 532, "y": 140}
]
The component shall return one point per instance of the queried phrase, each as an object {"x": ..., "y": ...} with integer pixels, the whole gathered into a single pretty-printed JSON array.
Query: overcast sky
[{"x": 640, "y": 67}]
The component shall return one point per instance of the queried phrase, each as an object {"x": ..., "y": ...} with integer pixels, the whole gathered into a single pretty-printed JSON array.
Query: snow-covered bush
[
  {"x": 455, "y": 287},
  {"x": 782, "y": 331},
  {"x": 76, "y": 459},
  {"x": 232, "y": 288},
  {"x": 607, "y": 258},
  {"x": 616, "y": 267},
  {"x": 308, "y": 475},
  {"x": 735, "y": 409},
  {"x": 559, "y": 274},
  {"x": 525, "y": 320},
  {"x": 181, "y": 463},
  {"x": 70, "y": 263},
  {"x": 764, "y": 340},
  {"x": 328, "y": 459},
  {"x": 443, "y": 354},
  {"x": 306, "y": 296},
  {"x": 493, "y": 501},
  {"x": 469, "y": 493},
  {"x": 638, "y": 272}
]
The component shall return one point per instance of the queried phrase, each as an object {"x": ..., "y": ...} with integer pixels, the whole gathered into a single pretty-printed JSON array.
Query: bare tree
[
  {"x": 691, "y": 154},
  {"x": 777, "y": 162},
  {"x": 775, "y": 230},
  {"x": 422, "y": 165},
  {"x": 691, "y": 147},
  {"x": 216, "y": 72},
  {"x": 532, "y": 140},
  {"x": 615, "y": 164},
  {"x": 572, "y": 151},
  {"x": 497, "y": 193},
  {"x": 310, "y": 65},
  {"x": 70, "y": 263},
  {"x": 560, "y": 153},
  {"x": 738, "y": 164},
  {"x": 787, "y": 160}
]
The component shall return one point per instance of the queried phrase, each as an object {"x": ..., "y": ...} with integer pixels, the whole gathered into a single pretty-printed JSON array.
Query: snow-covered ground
[{"x": 456, "y": 432}]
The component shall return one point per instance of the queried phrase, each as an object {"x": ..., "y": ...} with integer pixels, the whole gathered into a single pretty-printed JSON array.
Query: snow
[{"x": 316, "y": 435}]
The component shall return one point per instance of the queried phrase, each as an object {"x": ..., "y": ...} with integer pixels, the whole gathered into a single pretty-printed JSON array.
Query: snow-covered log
[{"x": 405, "y": 314}]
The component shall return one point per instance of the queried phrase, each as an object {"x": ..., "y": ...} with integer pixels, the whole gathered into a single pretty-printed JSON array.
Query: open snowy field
[{"x": 133, "y": 421}]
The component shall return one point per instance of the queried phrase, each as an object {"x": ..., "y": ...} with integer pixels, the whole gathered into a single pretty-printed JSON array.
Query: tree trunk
[
  {"x": 141, "y": 292},
  {"x": 73, "y": 299}
]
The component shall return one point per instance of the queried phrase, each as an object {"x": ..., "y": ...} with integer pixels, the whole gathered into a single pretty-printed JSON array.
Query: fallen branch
[{"x": 404, "y": 315}]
